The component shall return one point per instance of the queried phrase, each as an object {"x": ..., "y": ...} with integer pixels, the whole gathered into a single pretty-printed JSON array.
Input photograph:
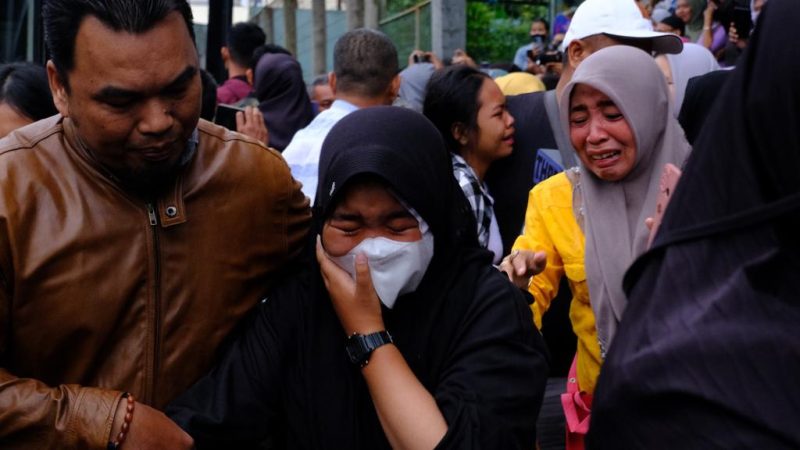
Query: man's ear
[
  {"x": 332, "y": 82},
  {"x": 250, "y": 77},
  {"x": 577, "y": 51},
  {"x": 226, "y": 54},
  {"x": 394, "y": 88},
  {"x": 58, "y": 88}
]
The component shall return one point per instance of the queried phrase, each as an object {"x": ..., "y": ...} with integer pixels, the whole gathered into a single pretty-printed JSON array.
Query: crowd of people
[{"x": 591, "y": 246}]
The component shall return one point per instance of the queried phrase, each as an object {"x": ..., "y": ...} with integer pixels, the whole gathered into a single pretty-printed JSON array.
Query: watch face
[
  {"x": 360, "y": 347},
  {"x": 357, "y": 349}
]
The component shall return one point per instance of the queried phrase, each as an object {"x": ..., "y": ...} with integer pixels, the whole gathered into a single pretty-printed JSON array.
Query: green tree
[{"x": 495, "y": 31}]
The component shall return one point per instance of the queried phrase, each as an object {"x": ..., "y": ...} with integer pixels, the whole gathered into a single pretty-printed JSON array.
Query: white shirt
[{"x": 302, "y": 154}]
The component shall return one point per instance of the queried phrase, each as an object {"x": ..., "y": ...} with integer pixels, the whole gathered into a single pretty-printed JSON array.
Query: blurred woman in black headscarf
[
  {"x": 441, "y": 348},
  {"x": 708, "y": 354},
  {"x": 282, "y": 97}
]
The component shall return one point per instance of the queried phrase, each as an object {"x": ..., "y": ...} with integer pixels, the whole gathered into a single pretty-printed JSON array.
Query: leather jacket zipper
[{"x": 156, "y": 354}]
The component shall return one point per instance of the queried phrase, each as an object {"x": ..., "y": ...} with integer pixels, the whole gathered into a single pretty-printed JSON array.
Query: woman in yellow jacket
[
  {"x": 588, "y": 222},
  {"x": 551, "y": 228}
]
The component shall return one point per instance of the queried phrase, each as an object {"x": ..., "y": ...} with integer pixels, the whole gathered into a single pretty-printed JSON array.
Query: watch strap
[{"x": 360, "y": 347}]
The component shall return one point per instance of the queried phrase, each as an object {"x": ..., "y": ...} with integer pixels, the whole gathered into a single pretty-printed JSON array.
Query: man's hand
[
  {"x": 425, "y": 57},
  {"x": 149, "y": 429},
  {"x": 521, "y": 265},
  {"x": 250, "y": 122},
  {"x": 461, "y": 57},
  {"x": 355, "y": 302},
  {"x": 733, "y": 35},
  {"x": 533, "y": 68}
]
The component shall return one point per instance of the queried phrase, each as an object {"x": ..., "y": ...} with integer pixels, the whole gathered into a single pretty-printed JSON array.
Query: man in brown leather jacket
[{"x": 133, "y": 238}]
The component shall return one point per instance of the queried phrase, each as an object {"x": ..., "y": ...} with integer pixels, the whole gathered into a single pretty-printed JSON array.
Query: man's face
[
  {"x": 583, "y": 48},
  {"x": 323, "y": 95},
  {"x": 134, "y": 98},
  {"x": 664, "y": 28}
]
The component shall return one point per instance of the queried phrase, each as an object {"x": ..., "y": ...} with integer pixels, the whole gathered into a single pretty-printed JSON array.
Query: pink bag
[{"x": 577, "y": 409}]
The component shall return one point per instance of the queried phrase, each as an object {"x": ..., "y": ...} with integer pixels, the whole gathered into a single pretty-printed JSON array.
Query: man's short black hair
[
  {"x": 319, "y": 80},
  {"x": 63, "y": 17},
  {"x": 675, "y": 23},
  {"x": 243, "y": 39},
  {"x": 365, "y": 62},
  {"x": 24, "y": 87}
]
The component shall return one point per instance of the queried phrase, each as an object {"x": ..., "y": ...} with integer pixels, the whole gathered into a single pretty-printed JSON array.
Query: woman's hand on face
[
  {"x": 521, "y": 265},
  {"x": 250, "y": 122},
  {"x": 356, "y": 303}
]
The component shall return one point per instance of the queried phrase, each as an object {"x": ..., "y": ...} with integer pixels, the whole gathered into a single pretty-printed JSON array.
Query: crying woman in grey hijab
[{"x": 616, "y": 111}]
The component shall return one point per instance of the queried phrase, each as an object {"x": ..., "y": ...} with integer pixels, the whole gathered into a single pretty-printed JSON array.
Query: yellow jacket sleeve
[{"x": 536, "y": 236}]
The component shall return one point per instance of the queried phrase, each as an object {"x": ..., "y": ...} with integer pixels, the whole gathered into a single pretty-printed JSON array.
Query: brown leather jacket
[{"x": 102, "y": 292}]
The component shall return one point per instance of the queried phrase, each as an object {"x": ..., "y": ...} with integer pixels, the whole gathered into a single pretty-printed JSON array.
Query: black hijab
[
  {"x": 282, "y": 97},
  {"x": 410, "y": 156},
  {"x": 707, "y": 354}
]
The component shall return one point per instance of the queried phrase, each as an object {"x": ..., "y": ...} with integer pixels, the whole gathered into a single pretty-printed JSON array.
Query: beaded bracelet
[{"x": 126, "y": 423}]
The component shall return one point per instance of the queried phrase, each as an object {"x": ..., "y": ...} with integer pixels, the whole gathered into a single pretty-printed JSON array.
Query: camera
[
  {"x": 418, "y": 58},
  {"x": 549, "y": 57}
]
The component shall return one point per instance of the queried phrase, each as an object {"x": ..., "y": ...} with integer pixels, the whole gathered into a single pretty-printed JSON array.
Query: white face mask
[{"x": 396, "y": 267}]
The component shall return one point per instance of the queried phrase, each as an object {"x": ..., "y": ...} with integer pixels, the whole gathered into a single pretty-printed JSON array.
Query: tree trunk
[
  {"x": 355, "y": 14},
  {"x": 290, "y": 25},
  {"x": 320, "y": 36}
]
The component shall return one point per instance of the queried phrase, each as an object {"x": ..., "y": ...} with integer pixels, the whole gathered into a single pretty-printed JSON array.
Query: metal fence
[{"x": 409, "y": 30}]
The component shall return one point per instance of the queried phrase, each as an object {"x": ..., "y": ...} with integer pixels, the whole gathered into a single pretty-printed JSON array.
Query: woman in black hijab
[
  {"x": 464, "y": 367},
  {"x": 282, "y": 97},
  {"x": 708, "y": 354}
]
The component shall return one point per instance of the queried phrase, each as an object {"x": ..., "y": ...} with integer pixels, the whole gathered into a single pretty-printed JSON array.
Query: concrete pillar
[
  {"x": 355, "y": 14},
  {"x": 320, "y": 36},
  {"x": 290, "y": 25},
  {"x": 448, "y": 26},
  {"x": 264, "y": 20},
  {"x": 371, "y": 13}
]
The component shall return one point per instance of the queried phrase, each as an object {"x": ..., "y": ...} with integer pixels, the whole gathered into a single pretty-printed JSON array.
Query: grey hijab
[
  {"x": 694, "y": 60},
  {"x": 614, "y": 212}
]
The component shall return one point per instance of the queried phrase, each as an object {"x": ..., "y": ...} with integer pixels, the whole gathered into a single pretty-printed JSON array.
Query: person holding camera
[
  {"x": 414, "y": 78},
  {"x": 527, "y": 55}
]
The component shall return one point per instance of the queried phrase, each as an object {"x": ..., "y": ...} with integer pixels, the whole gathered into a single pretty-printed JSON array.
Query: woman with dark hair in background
[
  {"x": 441, "y": 349},
  {"x": 469, "y": 110},
  {"x": 24, "y": 96},
  {"x": 282, "y": 97}
]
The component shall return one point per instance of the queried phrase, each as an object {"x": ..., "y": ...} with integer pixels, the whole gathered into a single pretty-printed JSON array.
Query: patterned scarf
[{"x": 479, "y": 199}]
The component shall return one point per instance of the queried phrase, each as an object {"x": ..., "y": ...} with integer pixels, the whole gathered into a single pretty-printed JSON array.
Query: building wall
[{"x": 336, "y": 25}]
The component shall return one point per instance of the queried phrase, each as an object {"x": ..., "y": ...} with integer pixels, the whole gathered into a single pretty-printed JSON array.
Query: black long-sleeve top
[{"x": 467, "y": 334}]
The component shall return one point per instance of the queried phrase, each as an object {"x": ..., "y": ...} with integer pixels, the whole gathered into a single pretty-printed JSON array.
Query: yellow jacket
[{"x": 550, "y": 226}]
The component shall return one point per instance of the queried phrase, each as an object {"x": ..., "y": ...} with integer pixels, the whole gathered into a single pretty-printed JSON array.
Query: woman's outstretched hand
[
  {"x": 356, "y": 303},
  {"x": 521, "y": 265}
]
